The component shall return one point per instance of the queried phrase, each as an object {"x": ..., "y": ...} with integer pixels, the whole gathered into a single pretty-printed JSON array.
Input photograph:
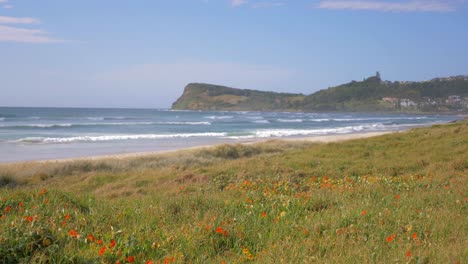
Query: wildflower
[
  {"x": 7, "y": 209},
  {"x": 67, "y": 217},
  {"x": 29, "y": 218},
  {"x": 20, "y": 204},
  {"x": 149, "y": 262},
  {"x": 91, "y": 238},
  {"x": 99, "y": 242},
  {"x": 117, "y": 262},
  {"x": 408, "y": 254},
  {"x": 264, "y": 214},
  {"x": 101, "y": 252},
  {"x": 397, "y": 196},
  {"x": 415, "y": 235},
  {"x": 168, "y": 260},
  {"x": 390, "y": 238},
  {"x": 73, "y": 233},
  {"x": 363, "y": 213},
  {"x": 220, "y": 230},
  {"x": 112, "y": 244},
  {"x": 247, "y": 253},
  {"x": 130, "y": 259}
]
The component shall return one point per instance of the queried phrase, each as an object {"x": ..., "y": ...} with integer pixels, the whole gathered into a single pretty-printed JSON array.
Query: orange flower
[
  {"x": 29, "y": 218},
  {"x": 408, "y": 254},
  {"x": 101, "y": 252},
  {"x": 390, "y": 238},
  {"x": 264, "y": 214},
  {"x": 363, "y": 213},
  {"x": 415, "y": 235},
  {"x": 397, "y": 196},
  {"x": 149, "y": 262},
  {"x": 168, "y": 260},
  {"x": 73, "y": 233},
  {"x": 112, "y": 244},
  {"x": 220, "y": 230},
  {"x": 99, "y": 242},
  {"x": 67, "y": 217},
  {"x": 43, "y": 191},
  {"x": 91, "y": 238},
  {"x": 131, "y": 259},
  {"x": 7, "y": 209}
]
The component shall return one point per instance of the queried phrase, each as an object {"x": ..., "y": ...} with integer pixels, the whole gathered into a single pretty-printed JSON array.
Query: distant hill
[
  {"x": 372, "y": 94},
  {"x": 200, "y": 96}
]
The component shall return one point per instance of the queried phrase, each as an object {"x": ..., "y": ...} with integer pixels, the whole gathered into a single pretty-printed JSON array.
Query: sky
[{"x": 142, "y": 53}]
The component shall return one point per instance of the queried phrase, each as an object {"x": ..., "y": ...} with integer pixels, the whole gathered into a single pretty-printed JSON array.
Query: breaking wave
[{"x": 114, "y": 137}]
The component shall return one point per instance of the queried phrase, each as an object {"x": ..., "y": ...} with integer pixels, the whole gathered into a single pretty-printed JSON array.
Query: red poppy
[
  {"x": 99, "y": 242},
  {"x": 101, "y": 252},
  {"x": 397, "y": 196},
  {"x": 363, "y": 213},
  {"x": 264, "y": 214},
  {"x": 130, "y": 259},
  {"x": 29, "y": 218},
  {"x": 415, "y": 235},
  {"x": 73, "y": 233},
  {"x": 149, "y": 262},
  {"x": 91, "y": 238},
  {"x": 67, "y": 217},
  {"x": 7, "y": 209},
  {"x": 408, "y": 254}
]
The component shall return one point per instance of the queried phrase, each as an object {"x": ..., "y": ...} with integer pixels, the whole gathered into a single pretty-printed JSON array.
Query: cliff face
[{"x": 201, "y": 96}]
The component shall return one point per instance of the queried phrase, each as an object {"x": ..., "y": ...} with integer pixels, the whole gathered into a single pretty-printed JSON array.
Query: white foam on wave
[
  {"x": 267, "y": 133},
  {"x": 36, "y": 126},
  {"x": 261, "y": 121},
  {"x": 185, "y": 123},
  {"x": 290, "y": 120},
  {"x": 319, "y": 119},
  {"x": 218, "y": 117},
  {"x": 115, "y": 137},
  {"x": 95, "y": 118}
]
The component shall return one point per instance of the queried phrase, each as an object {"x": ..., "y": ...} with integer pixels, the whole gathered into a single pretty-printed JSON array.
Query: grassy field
[{"x": 397, "y": 198}]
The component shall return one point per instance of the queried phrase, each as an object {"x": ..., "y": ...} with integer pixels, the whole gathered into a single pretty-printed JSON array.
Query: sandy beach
[{"x": 317, "y": 139}]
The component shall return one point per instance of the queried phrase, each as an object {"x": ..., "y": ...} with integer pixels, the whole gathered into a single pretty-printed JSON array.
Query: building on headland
[
  {"x": 407, "y": 103},
  {"x": 453, "y": 100}
]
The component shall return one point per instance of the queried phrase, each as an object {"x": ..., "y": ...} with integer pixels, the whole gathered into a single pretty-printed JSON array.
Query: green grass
[{"x": 393, "y": 198}]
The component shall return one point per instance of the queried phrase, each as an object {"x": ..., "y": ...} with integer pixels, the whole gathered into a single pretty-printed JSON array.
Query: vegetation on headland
[
  {"x": 400, "y": 197},
  {"x": 372, "y": 94}
]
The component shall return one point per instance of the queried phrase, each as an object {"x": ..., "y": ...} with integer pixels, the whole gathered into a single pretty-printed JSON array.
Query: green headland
[{"x": 440, "y": 95}]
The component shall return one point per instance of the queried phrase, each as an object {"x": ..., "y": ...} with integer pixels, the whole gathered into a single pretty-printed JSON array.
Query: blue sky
[{"x": 141, "y": 53}]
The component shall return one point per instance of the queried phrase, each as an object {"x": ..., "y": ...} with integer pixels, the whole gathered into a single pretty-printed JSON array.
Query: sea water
[{"x": 54, "y": 133}]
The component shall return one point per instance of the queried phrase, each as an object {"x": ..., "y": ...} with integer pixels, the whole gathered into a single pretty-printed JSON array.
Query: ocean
[{"x": 57, "y": 133}]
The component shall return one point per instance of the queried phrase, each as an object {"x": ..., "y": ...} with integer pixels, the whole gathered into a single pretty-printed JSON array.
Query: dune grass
[{"x": 394, "y": 198}]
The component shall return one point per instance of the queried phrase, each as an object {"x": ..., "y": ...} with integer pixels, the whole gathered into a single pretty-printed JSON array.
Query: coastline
[{"x": 316, "y": 139}]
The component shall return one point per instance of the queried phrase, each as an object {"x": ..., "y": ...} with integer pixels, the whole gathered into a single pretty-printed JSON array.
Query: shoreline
[{"x": 316, "y": 139}]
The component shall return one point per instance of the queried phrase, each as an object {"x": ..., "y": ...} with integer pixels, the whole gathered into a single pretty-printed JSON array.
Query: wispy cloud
[
  {"x": 236, "y": 3},
  {"x": 18, "y": 20},
  {"x": 7, "y": 6},
  {"x": 385, "y": 6},
  {"x": 24, "y": 35}
]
